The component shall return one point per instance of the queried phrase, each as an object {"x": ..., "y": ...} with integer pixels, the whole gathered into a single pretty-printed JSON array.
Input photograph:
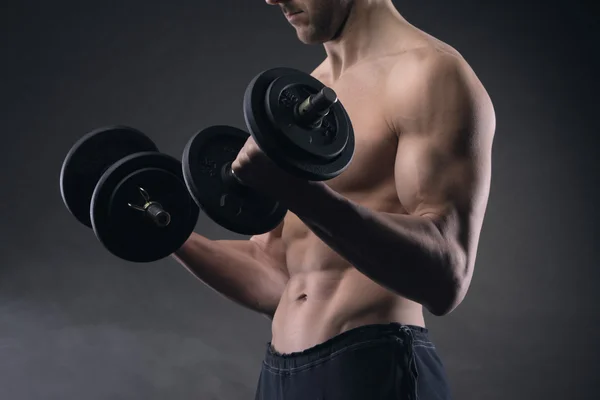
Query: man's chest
[{"x": 375, "y": 142}]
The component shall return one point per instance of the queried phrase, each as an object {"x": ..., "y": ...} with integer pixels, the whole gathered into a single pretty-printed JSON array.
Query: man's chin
[
  {"x": 307, "y": 38},
  {"x": 307, "y": 41}
]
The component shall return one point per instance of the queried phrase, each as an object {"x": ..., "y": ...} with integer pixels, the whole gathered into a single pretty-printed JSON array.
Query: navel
[{"x": 302, "y": 297}]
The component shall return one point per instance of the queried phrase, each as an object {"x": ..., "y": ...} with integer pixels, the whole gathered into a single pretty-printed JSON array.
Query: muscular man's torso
[{"x": 325, "y": 295}]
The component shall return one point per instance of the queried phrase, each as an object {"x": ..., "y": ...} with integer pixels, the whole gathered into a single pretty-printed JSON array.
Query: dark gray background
[{"x": 76, "y": 323}]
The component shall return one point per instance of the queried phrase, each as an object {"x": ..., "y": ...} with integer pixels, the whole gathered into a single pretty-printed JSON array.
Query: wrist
[{"x": 313, "y": 201}]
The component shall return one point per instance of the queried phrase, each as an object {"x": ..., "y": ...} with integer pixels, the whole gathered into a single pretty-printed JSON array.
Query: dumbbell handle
[
  {"x": 158, "y": 215},
  {"x": 231, "y": 180},
  {"x": 153, "y": 210},
  {"x": 312, "y": 110}
]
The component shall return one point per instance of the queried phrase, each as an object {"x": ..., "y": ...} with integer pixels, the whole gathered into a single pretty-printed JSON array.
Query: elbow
[
  {"x": 449, "y": 293},
  {"x": 444, "y": 304}
]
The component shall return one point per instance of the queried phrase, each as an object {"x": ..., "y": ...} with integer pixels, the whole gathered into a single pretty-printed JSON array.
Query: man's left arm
[{"x": 445, "y": 128}]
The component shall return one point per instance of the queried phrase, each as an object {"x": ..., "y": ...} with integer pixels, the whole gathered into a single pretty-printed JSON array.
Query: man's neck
[{"x": 370, "y": 31}]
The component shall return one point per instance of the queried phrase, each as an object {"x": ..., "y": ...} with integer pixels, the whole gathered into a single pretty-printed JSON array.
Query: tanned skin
[{"x": 398, "y": 231}]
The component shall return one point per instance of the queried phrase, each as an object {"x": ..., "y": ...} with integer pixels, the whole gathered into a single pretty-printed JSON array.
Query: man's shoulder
[
  {"x": 429, "y": 68},
  {"x": 435, "y": 80},
  {"x": 428, "y": 60}
]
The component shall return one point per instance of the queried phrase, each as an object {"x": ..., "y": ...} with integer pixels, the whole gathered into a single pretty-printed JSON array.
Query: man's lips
[{"x": 288, "y": 15}]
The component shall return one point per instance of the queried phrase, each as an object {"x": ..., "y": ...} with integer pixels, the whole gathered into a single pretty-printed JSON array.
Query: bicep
[
  {"x": 449, "y": 188},
  {"x": 443, "y": 160},
  {"x": 437, "y": 177}
]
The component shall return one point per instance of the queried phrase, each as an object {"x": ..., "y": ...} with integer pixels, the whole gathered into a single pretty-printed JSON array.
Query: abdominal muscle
[{"x": 326, "y": 296}]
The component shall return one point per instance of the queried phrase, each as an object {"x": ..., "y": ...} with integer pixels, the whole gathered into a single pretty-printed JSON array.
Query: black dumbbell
[
  {"x": 296, "y": 120},
  {"x": 115, "y": 181},
  {"x": 299, "y": 123}
]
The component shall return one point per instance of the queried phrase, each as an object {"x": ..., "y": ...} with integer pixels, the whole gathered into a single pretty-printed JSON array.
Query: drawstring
[{"x": 410, "y": 375}]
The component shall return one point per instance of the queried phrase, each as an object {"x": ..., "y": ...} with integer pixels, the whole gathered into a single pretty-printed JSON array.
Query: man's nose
[{"x": 274, "y": 2}]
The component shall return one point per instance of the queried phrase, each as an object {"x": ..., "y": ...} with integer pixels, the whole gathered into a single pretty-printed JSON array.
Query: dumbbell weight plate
[
  {"x": 206, "y": 158},
  {"x": 130, "y": 234},
  {"x": 87, "y": 160},
  {"x": 314, "y": 154}
]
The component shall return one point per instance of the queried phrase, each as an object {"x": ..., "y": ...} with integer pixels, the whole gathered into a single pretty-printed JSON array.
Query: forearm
[
  {"x": 237, "y": 270},
  {"x": 406, "y": 254}
]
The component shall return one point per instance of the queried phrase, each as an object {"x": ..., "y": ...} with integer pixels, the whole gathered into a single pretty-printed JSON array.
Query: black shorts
[{"x": 373, "y": 362}]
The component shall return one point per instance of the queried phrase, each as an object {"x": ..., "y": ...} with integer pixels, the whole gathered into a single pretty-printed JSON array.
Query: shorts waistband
[{"x": 355, "y": 336}]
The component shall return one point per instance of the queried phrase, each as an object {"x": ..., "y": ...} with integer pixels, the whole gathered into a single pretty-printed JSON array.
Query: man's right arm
[{"x": 251, "y": 272}]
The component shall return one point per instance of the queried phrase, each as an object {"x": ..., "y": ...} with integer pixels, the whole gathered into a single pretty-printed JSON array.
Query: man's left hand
[{"x": 256, "y": 170}]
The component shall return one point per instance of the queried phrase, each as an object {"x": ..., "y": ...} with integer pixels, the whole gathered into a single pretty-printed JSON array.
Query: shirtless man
[{"x": 345, "y": 277}]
